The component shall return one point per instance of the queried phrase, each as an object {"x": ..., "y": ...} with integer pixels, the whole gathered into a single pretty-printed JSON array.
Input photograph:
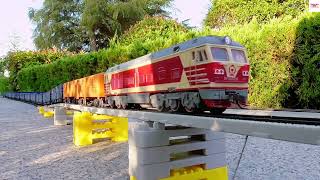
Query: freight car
[
  {"x": 86, "y": 91},
  {"x": 40, "y": 98},
  {"x": 206, "y": 73}
]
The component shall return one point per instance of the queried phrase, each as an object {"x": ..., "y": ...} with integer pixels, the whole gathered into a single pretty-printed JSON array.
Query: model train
[{"x": 205, "y": 73}]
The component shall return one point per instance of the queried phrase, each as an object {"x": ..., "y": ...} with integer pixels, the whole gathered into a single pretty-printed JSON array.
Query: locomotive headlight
[
  {"x": 219, "y": 71},
  {"x": 227, "y": 40},
  {"x": 245, "y": 73}
]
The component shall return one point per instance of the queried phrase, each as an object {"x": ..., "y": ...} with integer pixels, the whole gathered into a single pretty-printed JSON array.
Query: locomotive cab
[{"x": 222, "y": 75}]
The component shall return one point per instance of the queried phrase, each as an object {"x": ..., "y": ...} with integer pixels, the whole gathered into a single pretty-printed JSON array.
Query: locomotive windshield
[
  {"x": 238, "y": 56},
  {"x": 219, "y": 54}
]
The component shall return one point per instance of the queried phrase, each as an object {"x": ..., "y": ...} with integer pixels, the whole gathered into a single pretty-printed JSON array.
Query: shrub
[
  {"x": 22, "y": 59},
  {"x": 231, "y": 12},
  {"x": 4, "y": 84}
]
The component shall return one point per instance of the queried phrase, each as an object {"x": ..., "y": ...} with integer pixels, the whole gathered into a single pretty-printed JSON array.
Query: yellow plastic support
[
  {"x": 87, "y": 127},
  {"x": 48, "y": 114},
  {"x": 69, "y": 113},
  {"x": 41, "y": 110},
  {"x": 196, "y": 173}
]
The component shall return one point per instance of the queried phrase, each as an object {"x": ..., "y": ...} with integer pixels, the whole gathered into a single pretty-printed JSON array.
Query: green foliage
[
  {"x": 58, "y": 25},
  {"x": 233, "y": 12},
  {"x": 3, "y": 65},
  {"x": 88, "y": 25},
  {"x": 306, "y": 61},
  {"x": 15, "y": 61},
  {"x": 46, "y": 76},
  {"x": 4, "y": 84}
]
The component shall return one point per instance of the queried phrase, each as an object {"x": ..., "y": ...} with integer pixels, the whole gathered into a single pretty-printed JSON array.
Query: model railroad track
[
  {"x": 262, "y": 118},
  {"x": 278, "y": 119},
  {"x": 301, "y": 120}
]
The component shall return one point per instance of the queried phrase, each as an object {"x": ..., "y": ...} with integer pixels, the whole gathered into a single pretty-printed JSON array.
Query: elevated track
[{"x": 300, "y": 127}]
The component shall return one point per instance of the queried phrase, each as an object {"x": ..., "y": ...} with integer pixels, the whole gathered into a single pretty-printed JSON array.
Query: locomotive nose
[{"x": 232, "y": 70}]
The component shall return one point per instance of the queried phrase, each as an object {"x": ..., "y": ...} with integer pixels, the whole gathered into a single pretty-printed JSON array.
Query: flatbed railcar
[{"x": 205, "y": 73}]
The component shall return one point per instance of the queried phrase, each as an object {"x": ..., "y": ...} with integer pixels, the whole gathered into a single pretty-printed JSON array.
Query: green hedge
[
  {"x": 44, "y": 77},
  {"x": 235, "y": 12},
  {"x": 4, "y": 84},
  {"x": 306, "y": 63},
  {"x": 18, "y": 60}
]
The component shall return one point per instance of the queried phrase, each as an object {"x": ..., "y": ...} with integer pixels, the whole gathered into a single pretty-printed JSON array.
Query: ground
[{"x": 32, "y": 148}]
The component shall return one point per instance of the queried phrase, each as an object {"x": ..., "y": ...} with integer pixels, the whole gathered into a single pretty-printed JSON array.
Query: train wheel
[
  {"x": 158, "y": 102},
  {"x": 118, "y": 105},
  {"x": 96, "y": 103},
  {"x": 101, "y": 103},
  {"x": 217, "y": 111},
  {"x": 175, "y": 105},
  {"x": 188, "y": 103},
  {"x": 112, "y": 105},
  {"x": 161, "y": 107},
  {"x": 190, "y": 109},
  {"x": 125, "y": 106},
  {"x": 80, "y": 101}
]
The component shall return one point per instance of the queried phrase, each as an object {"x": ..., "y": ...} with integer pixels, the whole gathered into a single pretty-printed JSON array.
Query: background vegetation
[
  {"x": 282, "y": 41},
  {"x": 88, "y": 25},
  {"x": 230, "y": 12}
]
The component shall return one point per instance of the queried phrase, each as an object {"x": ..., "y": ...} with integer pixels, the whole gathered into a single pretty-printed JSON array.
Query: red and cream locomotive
[{"x": 205, "y": 73}]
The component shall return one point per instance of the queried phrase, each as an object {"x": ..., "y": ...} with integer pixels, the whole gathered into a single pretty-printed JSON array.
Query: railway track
[
  {"x": 311, "y": 118},
  {"x": 242, "y": 114}
]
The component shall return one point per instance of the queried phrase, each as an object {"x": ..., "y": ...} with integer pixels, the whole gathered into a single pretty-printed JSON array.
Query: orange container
[
  {"x": 94, "y": 86},
  {"x": 87, "y": 87}
]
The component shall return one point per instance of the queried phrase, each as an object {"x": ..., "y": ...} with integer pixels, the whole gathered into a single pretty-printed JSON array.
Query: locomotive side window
[
  {"x": 162, "y": 73},
  {"x": 141, "y": 79},
  {"x": 238, "y": 56},
  {"x": 205, "y": 54},
  {"x": 149, "y": 78},
  {"x": 219, "y": 54},
  {"x": 175, "y": 73},
  {"x": 199, "y": 57}
]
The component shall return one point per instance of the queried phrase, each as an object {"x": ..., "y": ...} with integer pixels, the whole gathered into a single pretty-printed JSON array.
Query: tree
[
  {"x": 233, "y": 12},
  {"x": 103, "y": 19},
  {"x": 58, "y": 25},
  {"x": 15, "y": 42},
  {"x": 88, "y": 24},
  {"x": 3, "y": 66}
]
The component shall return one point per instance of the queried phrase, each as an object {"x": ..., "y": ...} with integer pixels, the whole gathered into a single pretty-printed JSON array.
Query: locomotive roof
[{"x": 196, "y": 42}]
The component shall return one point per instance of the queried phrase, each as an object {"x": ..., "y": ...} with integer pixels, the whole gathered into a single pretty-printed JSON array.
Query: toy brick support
[
  {"x": 173, "y": 152},
  {"x": 45, "y": 112},
  {"x": 60, "y": 116},
  {"x": 87, "y": 127},
  {"x": 41, "y": 110}
]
